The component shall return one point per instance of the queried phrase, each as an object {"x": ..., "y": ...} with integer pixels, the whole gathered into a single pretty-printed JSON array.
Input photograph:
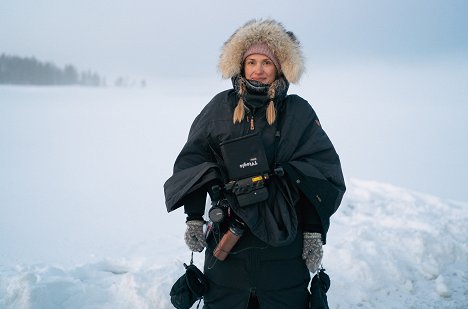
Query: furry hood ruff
[{"x": 282, "y": 43}]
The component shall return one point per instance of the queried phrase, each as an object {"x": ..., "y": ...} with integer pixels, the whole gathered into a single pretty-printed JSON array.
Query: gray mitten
[
  {"x": 194, "y": 237},
  {"x": 312, "y": 251}
]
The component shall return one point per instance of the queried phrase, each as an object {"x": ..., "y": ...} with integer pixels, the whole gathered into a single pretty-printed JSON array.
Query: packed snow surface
[
  {"x": 83, "y": 222},
  {"x": 389, "y": 247}
]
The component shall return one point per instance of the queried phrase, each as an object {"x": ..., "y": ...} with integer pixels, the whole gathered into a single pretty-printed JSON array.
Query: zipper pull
[{"x": 252, "y": 126}]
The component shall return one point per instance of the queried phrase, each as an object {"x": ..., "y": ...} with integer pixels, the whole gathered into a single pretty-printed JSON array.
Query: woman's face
[{"x": 260, "y": 68}]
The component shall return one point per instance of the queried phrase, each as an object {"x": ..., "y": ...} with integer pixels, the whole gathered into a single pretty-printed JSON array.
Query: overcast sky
[{"x": 174, "y": 38}]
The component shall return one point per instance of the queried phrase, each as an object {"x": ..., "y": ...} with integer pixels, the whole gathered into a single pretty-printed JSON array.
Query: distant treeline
[{"x": 30, "y": 71}]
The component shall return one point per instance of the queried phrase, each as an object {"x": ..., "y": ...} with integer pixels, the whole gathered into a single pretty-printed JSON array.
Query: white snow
[
  {"x": 83, "y": 222},
  {"x": 398, "y": 247}
]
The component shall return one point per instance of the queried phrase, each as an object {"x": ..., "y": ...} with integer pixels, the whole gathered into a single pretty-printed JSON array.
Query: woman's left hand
[{"x": 312, "y": 251}]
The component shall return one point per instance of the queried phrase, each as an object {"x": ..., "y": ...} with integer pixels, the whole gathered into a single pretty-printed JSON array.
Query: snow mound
[
  {"x": 388, "y": 247},
  {"x": 396, "y": 248}
]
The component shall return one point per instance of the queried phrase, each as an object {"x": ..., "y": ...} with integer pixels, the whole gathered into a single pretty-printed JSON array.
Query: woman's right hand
[{"x": 194, "y": 236}]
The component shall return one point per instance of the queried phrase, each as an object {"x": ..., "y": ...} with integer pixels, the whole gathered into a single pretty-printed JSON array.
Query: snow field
[
  {"x": 388, "y": 247},
  {"x": 82, "y": 216}
]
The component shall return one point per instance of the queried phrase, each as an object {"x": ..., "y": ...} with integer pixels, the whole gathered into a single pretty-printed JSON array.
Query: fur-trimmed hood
[{"x": 282, "y": 43}]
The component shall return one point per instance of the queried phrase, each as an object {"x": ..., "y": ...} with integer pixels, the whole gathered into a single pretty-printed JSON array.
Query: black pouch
[
  {"x": 249, "y": 190},
  {"x": 318, "y": 290},
  {"x": 247, "y": 168},
  {"x": 189, "y": 288}
]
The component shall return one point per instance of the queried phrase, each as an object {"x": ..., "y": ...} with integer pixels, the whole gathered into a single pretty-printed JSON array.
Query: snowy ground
[
  {"x": 389, "y": 247},
  {"x": 83, "y": 221}
]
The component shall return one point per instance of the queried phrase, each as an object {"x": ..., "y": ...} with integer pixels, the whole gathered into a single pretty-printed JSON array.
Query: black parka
[{"x": 303, "y": 149}]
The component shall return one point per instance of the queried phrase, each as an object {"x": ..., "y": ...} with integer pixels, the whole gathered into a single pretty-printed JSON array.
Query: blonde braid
[
  {"x": 239, "y": 111},
  {"x": 271, "y": 110}
]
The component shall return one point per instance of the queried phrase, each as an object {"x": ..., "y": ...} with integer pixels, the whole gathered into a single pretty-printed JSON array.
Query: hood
[{"x": 282, "y": 43}]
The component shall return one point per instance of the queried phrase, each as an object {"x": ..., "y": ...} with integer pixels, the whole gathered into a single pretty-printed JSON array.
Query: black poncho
[{"x": 303, "y": 149}]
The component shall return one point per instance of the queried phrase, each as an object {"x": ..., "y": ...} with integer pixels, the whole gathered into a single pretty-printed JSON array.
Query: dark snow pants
[
  {"x": 276, "y": 276},
  {"x": 225, "y": 297}
]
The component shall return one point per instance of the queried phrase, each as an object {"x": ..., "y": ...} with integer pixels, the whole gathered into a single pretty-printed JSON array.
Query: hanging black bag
[
  {"x": 247, "y": 168},
  {"x": 189, "y": 288},
  {"x": 318, "y": 290}
]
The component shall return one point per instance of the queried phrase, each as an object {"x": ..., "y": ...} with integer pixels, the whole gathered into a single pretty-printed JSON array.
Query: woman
[{"x": 277, "y": 222}]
